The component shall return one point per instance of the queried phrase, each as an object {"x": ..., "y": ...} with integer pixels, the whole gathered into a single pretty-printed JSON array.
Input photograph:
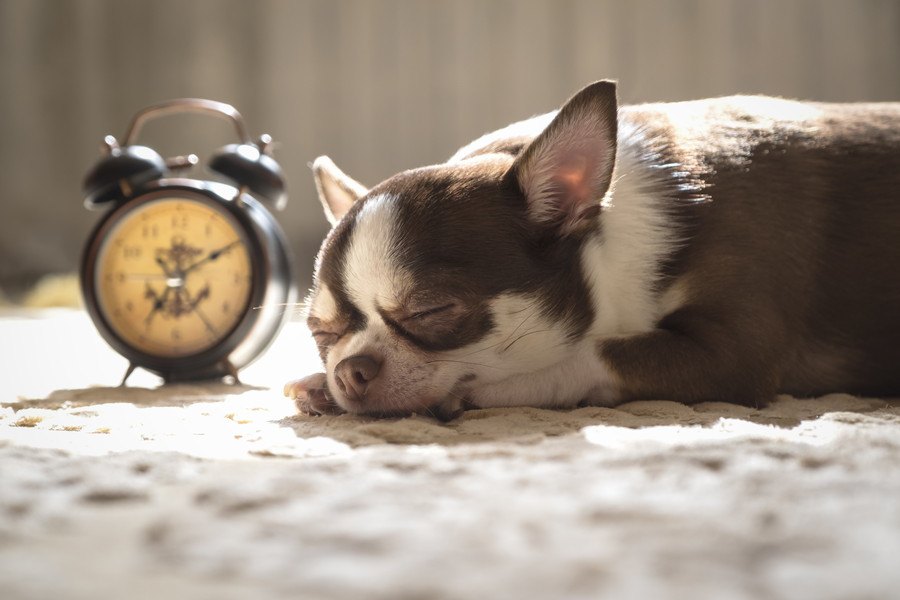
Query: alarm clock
[{"x": 185, "y": 277}]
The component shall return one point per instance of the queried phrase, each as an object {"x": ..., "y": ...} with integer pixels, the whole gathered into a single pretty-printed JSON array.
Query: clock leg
[
  {"x": 128, "y": 372},
  {"x": 230, "y": 370}
]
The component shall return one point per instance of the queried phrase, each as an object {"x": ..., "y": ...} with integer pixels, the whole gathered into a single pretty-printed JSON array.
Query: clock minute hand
[{"x": 215, "y": 254}]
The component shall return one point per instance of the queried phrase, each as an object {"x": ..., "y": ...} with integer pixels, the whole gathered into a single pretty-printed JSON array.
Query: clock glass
[{"x": 173, "y": 277}]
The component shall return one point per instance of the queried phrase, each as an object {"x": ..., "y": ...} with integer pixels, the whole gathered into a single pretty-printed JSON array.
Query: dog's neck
[{"x": 623, "y": 264}]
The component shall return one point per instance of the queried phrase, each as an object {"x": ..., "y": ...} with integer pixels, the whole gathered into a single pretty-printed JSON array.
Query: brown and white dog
[{"x": 723, "y": 249}]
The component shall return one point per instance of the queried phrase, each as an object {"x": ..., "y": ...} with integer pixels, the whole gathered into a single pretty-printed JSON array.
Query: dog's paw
[{"x": 311, "y": 396}]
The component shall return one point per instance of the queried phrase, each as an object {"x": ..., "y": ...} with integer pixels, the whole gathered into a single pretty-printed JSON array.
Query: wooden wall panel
[{"x": 379, "y": 85}]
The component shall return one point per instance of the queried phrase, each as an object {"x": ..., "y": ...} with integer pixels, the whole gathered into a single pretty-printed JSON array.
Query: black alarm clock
[{"x": 188, "y": 278}]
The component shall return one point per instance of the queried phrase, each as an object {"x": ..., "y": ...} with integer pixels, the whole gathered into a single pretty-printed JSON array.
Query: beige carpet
[{"x": 215, "y": 491}]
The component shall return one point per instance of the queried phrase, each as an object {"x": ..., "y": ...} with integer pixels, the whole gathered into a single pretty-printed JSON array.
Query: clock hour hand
[{"x": 214, "y": 255}]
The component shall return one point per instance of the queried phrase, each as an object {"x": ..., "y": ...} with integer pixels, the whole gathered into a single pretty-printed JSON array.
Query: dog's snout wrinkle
[{"x": 354, "y": 373}]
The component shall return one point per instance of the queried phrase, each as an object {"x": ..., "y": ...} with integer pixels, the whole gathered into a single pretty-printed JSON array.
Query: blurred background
[{"x": 379, "y": 85}]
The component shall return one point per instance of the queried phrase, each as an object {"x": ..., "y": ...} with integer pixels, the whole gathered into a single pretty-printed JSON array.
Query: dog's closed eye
[
  {"x": 325, "y": 338},
  {"x": 326, "y": 334},
  {"x": 426, "y": 324},
  {"x": 424, "y": 314}
]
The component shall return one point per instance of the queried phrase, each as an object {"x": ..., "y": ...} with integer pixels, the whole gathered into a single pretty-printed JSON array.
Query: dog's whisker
[
  {"x": 526, "y": 334},
  {"x": 519, "y": 326},
  {"x": 462, "y": 362},
  {"x": 501, "y": 342},
  {"x": 293, "y": 308},
  {"x": 483, "y": 349}
]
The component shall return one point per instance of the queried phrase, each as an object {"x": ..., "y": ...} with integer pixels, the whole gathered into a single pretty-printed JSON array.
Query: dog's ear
[
  {"x": 337, "y": 191},
  {"x": 565, "y": 172}
]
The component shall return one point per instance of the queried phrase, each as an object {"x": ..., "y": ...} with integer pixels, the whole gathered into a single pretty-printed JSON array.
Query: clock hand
[
  {"x": 146, "y": 276},
  {"x": 195, "y": 306},
  {"x": 206, "y": 321},
  {"x": 214, "y": 255}
]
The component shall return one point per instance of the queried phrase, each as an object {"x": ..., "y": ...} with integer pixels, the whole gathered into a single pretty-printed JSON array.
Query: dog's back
[{"x": 801, "y": 235}]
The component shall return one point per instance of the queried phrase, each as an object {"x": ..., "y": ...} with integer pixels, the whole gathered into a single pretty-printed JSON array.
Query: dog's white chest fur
[{"x": 622, "y": 265}]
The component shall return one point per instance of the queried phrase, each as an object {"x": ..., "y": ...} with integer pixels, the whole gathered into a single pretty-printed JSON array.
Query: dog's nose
[{"x": 354, "y": 373}]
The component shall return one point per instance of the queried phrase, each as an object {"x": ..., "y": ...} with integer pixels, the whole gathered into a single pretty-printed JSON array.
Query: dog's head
[{"x": 447, "y": 280}]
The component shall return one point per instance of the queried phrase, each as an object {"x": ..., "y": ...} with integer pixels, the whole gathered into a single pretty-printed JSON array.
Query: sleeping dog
[{"x": 725, "y": 249}]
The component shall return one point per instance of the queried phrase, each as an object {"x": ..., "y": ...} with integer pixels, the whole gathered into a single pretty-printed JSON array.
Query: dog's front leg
[{"x": 691, "y": 358}]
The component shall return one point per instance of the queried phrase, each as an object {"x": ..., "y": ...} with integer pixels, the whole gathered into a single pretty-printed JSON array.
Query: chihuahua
[{"x": 716, "y": 250}]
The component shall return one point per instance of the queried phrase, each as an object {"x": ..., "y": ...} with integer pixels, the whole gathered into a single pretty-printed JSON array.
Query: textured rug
[{"x": 218, "y": 491}]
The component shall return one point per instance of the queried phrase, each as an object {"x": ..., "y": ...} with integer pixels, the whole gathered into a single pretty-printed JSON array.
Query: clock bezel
[{"x": 270, "y": 281}]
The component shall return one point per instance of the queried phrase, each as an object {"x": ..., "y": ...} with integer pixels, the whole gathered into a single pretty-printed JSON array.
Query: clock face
[{"x": 173, "y": 276}]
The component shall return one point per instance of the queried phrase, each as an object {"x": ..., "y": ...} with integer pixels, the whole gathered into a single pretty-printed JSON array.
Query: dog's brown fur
[{"x": 792, "y": 271}]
